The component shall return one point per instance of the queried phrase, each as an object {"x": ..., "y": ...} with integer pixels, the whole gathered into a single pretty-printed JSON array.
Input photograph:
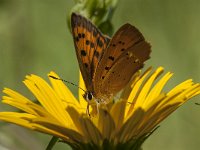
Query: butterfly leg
[
  {"x": 97, "y": 105},
  {"x": 87, "y": 110}
]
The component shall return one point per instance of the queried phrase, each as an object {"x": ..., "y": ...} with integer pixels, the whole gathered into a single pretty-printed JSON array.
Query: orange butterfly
[{"x": 107, "y": 65}]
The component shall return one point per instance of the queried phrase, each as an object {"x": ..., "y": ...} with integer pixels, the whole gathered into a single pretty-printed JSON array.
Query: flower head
[{"x": 125, "y": 122}]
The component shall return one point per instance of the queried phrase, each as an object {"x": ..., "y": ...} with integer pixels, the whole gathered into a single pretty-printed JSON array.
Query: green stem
[{"x": 52, "y": 143}]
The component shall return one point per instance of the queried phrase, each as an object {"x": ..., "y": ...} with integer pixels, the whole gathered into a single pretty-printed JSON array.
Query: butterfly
[{"x": 106, "y": 64}]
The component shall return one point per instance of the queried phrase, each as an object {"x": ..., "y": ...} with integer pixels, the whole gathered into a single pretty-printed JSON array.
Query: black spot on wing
[
  {"x": 79, "y": 36},
  {"x": 95, "y": 33},
  {"x": 83, "y": 35},
  {"x": 107, "y": 68},
  {"x": 86, "y": 65},
  {"x": 76, "y": 39},
  {"x": 83, "y": 53},
  {"x": 113, "y": 45},
  {"x": 87, "y": 42},
  {"x": 92, "y": 45},
  {"x": 111, "y": 58},
  {"x": 96, "y": 54},
  {"x": 99, "y": 42}
]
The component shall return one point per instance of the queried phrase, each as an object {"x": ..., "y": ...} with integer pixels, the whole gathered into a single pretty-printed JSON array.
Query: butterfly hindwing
[
  {"x": 89, "y": 44},
  {"x": 123, "y": 70},
  {"x": 125, "y": 55}
]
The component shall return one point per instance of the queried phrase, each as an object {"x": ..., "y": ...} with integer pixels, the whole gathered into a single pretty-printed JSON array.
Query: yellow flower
[{"x": 126, "y": 122}]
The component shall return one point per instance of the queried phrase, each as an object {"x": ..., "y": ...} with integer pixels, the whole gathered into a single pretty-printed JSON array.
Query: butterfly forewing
[{"x": 89, "y": 44}]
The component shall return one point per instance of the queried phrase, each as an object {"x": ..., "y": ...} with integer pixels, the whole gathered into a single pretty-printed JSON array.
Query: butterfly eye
[{"x": 88, "y": 96}]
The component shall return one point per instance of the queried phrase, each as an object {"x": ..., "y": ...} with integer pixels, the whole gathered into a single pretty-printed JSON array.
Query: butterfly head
[{"x": 88, "y": 96}]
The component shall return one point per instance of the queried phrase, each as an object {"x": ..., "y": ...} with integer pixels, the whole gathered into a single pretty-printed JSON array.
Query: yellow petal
[
  {"x": 81, "y": 92},
  {"x": 129, "y": 125},
  {"x": 90, "y": 130},
  {"x": 48, "y": 98},
  {"x": 53, "y": 128},
  {"x": 117, "y": 113},
  {"x": 74, "y": 114},
  {"x": 24, "y": 104},
  {"x": 145, "y": 89},
  {"x": 106, "y": 124},
  {"x": 134, "y": 93},
  {"x": 63, "y": 92},
  {"x": 156, "y": 90},
  {"x": 21, "y": 119}
]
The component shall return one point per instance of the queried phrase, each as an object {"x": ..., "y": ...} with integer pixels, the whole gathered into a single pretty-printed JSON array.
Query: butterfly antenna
[{"x": 66, "y": 82}]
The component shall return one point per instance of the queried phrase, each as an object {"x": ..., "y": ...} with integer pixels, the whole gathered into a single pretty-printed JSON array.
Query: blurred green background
[{"x": 34, "y": 38}]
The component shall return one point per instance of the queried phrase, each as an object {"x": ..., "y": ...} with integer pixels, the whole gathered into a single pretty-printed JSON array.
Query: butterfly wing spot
[
  {"x": 107, "y": 68},
  {"x": 83, "y": 35},
  {"x": 99, "y": 42},
  {"x": 95, "y": 33},
  {"x": 76, "y": 39},
  {"x": 79, "y": 35},
  {"x": 87, "y": 42},
  {"x": 121, "y": 42},
  {"x": 107, "y": 40},
  {"x": 113, "y": 45},
  {"x": 96, "y": 54},
  {"x": 111, "y": 58},
  {"x": 91, "y": 44},
  {"x": 83, "y": 53},
  {"x": 102, "y": 77},
  {"x": 86, "y": 65}
]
